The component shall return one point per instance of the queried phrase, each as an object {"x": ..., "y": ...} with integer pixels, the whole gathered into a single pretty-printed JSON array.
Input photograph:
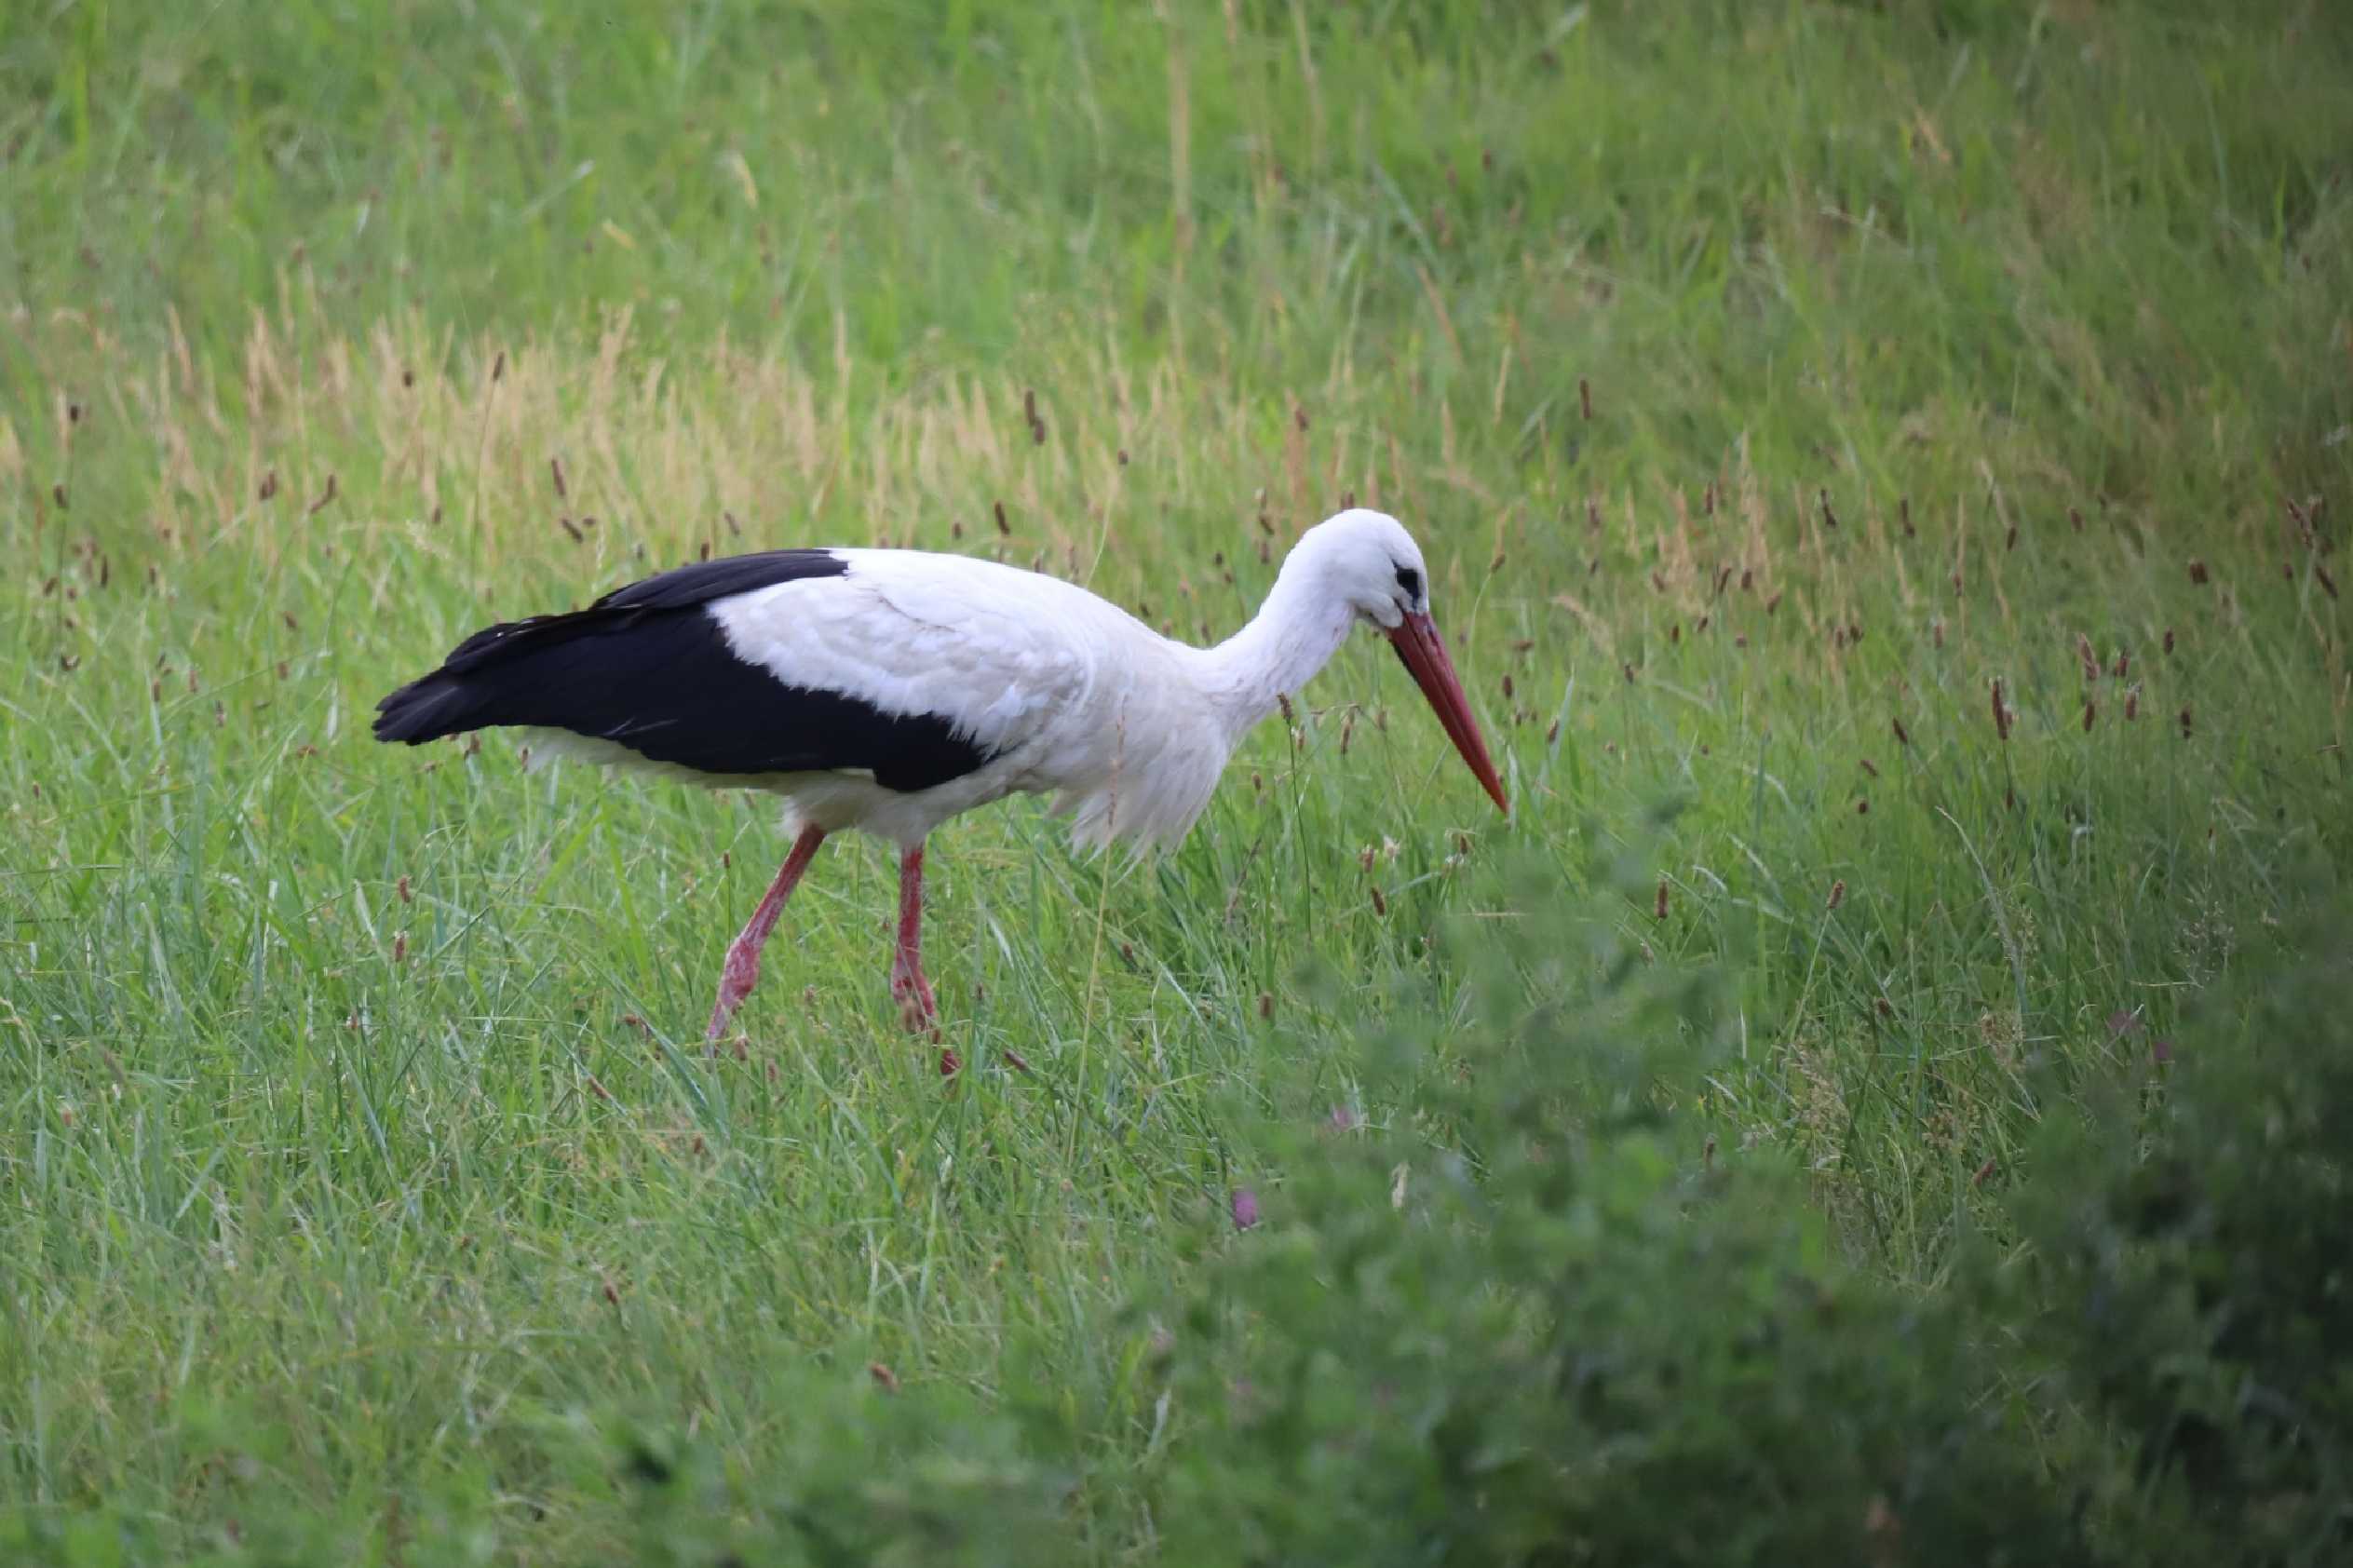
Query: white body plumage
[
  {"x": 1070, "y": 694},
  {"x": 889, "y": 690}
]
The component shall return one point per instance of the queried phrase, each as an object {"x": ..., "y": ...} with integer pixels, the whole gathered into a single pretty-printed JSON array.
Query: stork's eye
[{"x": 1411, "y": 581}]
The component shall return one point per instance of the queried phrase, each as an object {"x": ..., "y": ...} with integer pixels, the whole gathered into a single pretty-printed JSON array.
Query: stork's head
[{"x": 1368, "y": 559}]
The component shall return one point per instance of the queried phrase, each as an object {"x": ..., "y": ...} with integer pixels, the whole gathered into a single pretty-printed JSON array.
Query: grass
[{"x": 1770, "y": 387}]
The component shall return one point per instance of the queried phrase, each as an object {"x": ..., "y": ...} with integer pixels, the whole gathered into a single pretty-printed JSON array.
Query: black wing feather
[{"x": 648, "y": 668}]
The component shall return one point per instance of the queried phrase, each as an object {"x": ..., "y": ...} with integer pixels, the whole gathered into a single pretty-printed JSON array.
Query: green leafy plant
[
  {"x": 2197, "y": 1288},
  {"x": 1541, "y": 1318}
]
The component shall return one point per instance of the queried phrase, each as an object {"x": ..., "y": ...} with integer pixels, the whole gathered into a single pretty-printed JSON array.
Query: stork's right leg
[{"x": 742, "y": 969}]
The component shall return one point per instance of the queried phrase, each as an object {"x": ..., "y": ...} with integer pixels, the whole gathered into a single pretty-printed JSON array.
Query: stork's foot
[
  {"x": 917, "y": 1009},
  {"x": 736, "y": 978}
]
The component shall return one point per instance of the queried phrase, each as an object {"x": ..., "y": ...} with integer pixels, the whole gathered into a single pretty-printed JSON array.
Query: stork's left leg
[
  {"x": 908, "y": 987},
  {"x": 742, "y": 969}
]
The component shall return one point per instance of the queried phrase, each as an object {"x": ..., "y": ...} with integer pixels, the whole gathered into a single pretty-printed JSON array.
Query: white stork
[{"x": 889, "y": 690}]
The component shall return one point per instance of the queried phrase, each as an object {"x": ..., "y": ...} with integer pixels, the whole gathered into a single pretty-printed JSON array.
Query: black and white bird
[{"x": 889, "y": 690}]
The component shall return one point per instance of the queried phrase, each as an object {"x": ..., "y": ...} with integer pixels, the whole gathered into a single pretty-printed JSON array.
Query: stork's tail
[{"x": 428, "y": 708}]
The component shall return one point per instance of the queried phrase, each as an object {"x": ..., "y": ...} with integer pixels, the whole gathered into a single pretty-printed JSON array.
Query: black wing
[{"x": 648, "y": 668}]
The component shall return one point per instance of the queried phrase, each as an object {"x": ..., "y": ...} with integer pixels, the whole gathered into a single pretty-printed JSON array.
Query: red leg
[
  {"x": 742, "y": 969},
  {"x": 908, "y": 987}
]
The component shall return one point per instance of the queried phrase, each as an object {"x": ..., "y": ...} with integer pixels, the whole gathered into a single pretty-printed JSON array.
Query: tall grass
[{"x": 1781, "y": 394}]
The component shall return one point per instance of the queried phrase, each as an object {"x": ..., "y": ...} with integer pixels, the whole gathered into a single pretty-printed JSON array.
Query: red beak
[{"x": 1424, "y": 650}]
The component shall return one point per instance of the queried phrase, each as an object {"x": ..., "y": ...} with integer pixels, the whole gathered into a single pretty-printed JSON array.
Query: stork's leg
[
  {"x": 742, "y": 969},
  {"x": 908, "y": 987}
]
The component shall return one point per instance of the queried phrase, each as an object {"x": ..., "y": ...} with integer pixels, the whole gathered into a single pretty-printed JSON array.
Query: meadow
[{"x": 1883, "y": 465}]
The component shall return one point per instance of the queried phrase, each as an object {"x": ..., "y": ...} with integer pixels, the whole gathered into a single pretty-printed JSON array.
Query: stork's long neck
[{"x": 1294, "y": 635}]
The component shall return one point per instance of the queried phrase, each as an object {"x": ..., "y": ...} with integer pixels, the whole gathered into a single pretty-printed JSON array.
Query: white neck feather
[{"x": 1294, "y": 635}]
